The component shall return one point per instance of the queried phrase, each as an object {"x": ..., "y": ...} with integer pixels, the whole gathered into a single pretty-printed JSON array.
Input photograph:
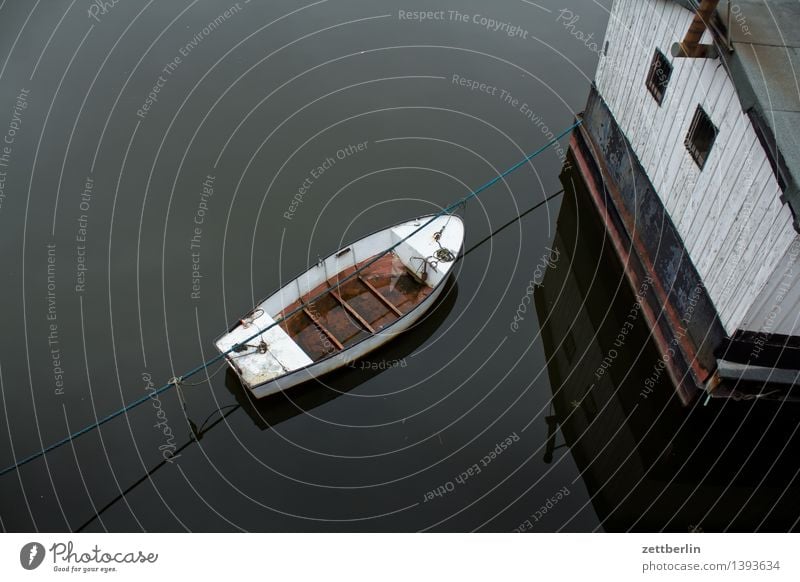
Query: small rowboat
[{"x": 345, "y": 306}]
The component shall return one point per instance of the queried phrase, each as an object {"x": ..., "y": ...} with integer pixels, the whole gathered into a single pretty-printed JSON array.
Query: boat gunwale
[{"x": 331, "y": 355}]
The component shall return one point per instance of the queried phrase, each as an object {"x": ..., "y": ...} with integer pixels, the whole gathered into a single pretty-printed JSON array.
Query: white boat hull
[{"x": 283, "y": 362}]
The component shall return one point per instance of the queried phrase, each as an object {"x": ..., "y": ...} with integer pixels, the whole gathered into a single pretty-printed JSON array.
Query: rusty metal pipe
[{"x": 690, "y": 46}]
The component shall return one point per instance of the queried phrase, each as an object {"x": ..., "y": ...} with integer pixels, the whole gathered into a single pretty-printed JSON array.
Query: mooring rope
[
  {"x": 201, "y": 430},
  {"x": 176, "y": 381}
]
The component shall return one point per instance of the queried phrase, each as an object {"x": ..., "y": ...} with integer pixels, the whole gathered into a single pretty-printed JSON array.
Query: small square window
[
  {"x": 658, "y": 76},
  {"x": 701, "y": 136}
]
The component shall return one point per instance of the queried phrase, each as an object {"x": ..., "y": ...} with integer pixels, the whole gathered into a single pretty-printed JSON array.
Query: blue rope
[{"x": 218, "y": 357}]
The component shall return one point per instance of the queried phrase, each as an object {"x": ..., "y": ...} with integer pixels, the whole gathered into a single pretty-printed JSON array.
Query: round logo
[{"x": 31, "y": 555}]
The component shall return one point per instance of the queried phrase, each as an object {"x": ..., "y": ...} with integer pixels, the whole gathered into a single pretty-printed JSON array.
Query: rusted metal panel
[
  {"x": 650, "y": 226},
  {"x": 678, "y": 367}
]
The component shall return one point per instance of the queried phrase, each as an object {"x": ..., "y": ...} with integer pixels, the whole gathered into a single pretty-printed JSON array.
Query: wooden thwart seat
[
  {"x": 352, "y": 309},
  {"x": 349, "y": 308},
  {"x": 323, "y": 329},
  {"x": 380, "y": 296}
]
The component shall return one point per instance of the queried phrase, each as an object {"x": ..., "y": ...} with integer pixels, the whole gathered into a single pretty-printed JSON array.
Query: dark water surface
[
  {"x": 135, "y": 229},
  {"x": 648, "y": 462}
]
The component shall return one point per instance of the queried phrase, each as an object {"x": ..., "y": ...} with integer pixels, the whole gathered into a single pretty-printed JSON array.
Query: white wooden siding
[
  {"x": 734, "y": 227},
  {"x": 775, "y": 309}
]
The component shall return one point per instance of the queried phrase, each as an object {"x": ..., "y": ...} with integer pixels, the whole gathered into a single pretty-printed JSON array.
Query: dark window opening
[
  {"x": 658, "y": 77},
  {"x": 701, "y": 136}
]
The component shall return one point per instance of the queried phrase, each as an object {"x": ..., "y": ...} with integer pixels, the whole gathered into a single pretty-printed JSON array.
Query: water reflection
[
  {"x": 271, "y": 411},
  {"x": 648, "y": 462}
]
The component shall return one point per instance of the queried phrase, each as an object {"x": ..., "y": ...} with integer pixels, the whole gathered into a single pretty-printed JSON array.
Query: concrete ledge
[{"x": 733, "y": 371}]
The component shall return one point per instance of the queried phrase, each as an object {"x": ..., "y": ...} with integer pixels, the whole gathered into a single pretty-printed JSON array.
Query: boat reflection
[
  {"x": 282, "y": 406},
  {"x": 649, "y": 463}
]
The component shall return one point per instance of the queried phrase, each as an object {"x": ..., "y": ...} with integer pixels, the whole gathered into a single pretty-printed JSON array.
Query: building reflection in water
[{"x": 648, "y": 462}]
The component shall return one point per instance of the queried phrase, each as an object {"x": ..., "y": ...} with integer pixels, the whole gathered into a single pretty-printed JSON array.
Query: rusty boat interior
[
  {"x": 354, "y": 309},
  {"x": 345, "y": 305}
]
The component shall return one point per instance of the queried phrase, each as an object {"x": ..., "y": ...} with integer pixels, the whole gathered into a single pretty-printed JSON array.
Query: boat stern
[{"x": 259, "y": 358}]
